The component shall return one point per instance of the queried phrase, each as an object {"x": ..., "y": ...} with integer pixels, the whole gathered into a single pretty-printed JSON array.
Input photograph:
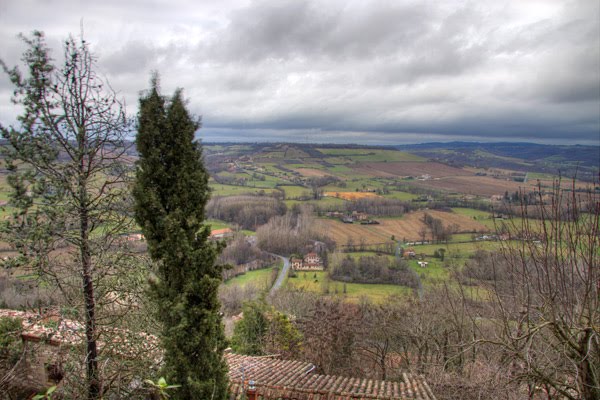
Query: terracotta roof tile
[
  {"x": 285, "y": 379},
  {"x": 274, "y": 378}
]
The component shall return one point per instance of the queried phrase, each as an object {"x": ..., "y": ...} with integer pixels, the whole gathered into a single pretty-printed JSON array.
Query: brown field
[
  {"x": 407, "y": 227},
  {"x": 477, "y": 185},
  {"x": 311, "y": 172},
  {"x": 565, "y": 183},
  {"x": 408, "y": 168},
  {"x": 350, "y": 195}
]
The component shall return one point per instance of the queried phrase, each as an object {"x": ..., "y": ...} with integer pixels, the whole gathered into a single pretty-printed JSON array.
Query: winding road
[{"x": 282, "y": 274}]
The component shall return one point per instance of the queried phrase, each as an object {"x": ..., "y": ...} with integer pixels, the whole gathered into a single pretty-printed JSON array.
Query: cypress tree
[{"x": 170, "y": 194}]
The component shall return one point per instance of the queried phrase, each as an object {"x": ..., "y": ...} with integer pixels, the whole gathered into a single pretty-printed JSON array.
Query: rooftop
[
  {"x": 273, "y": 377},
  {"x": 285, "y": 379}
]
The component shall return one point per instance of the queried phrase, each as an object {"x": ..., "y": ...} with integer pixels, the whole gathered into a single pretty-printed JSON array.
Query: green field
[
  {"x": 434, "y": 273},
  {"x": 292, "y": 192},
  {"x": 261, "y": 278},
  {"x": 483, "y": 217},
  {"x": 372, "y": 155},
  {"x": 461, "y": 249},
  {"x": 354, "y": 291},
  {"x": 231, "y": 190},
  {"x": 217, "y": 224}
]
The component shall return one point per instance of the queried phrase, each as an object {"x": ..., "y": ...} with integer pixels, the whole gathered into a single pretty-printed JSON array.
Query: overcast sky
[{"x": 377, "y": 72}]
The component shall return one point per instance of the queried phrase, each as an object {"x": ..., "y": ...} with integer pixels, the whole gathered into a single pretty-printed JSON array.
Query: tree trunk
[
  {"x": 91, "y": 360},
  {"x": 589, "y": 383}
]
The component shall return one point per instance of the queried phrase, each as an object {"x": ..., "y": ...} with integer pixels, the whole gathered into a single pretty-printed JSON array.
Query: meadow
[{"x": 319, "y": 282}]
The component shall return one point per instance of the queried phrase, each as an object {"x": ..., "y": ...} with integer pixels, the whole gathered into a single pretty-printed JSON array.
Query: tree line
[
  {"x": 373, "y": 269},
  {"x": 248, "y": 212}
]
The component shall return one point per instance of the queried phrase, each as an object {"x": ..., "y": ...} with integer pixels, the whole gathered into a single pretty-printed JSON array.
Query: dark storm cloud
[{"x": 368, "y": 70}]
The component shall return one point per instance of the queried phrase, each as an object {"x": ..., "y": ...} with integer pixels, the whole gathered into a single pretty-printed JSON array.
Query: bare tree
[
  {"x": 65, "y": 159},
  {"x": 547, "y": 309}
]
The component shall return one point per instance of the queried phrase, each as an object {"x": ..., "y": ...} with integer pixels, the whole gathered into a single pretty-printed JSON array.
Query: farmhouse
[
  {"x": 133, "y": 237},
  {"x": 410, "y": 253},
  {"x": 359, "y": 216},
  {"x": 221, "y": 234},
  {"x": 296, "y": 262},
  {"x": 310, "y": 262}
]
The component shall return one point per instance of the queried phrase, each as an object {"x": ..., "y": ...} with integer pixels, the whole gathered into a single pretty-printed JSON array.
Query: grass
[
  {"x": 216, "y": 224},
  {"x": 434, "y": 272},
  {"x": 231, "y": 190},
  {"x": 292, "y": 192},
  {"x": 483, "y": 217},
  {"x": 461, "y": 237},
  {"x": 402, "y": 196},
  {"x": 338, "y": 161},
  {"x": 354, "y": 291},
  {"x": 372, "y": 155},
  {"x": 260, "y": 278},
  {"x": 456, "y": 248}
]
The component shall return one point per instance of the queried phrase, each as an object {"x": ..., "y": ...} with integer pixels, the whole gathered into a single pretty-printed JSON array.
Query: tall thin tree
[
  {"x": 170, "y": 193},
  {"x": 66, "y": 169}
]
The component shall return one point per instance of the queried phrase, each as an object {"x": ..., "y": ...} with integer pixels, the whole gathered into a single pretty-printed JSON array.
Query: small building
[
  {"x": 221, "y": 234},
  {"x": 423, "y": 264},
  {"x": 133, "y": 237},
  {"x": 313, "y": 259},
  {"x": 359, "y": 216},
  {"x": 410, "y": 253},
  {"x": 296, "y": 262},
  {"x": 310, "y": 262}
]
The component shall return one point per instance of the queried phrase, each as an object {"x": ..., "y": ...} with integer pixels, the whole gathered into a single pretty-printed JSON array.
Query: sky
[{"x": 341, "y": 71}]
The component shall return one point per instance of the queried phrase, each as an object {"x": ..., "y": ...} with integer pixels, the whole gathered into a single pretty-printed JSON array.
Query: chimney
[{"x": 251, "y": 392}]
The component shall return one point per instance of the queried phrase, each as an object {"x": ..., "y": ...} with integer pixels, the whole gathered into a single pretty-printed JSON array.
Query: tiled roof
[
  {"x": 55, "y": 331},
  {"x": 274, "y": 378},
  {"x": 223, "y": 231},
  {"x": 285, "y": 379}
]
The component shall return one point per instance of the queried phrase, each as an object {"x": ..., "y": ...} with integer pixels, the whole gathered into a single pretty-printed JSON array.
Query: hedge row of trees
[
  {"x": 373, "y": 269},
  {"x": 291, "y": 233},
  {"x": 249, "y": 212},
  {"x": 380, "y": 207},
  {"x": 439, "y": 232}
]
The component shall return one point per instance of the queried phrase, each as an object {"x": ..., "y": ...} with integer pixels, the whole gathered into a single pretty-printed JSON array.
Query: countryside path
[{"x": 282, "y": 274}]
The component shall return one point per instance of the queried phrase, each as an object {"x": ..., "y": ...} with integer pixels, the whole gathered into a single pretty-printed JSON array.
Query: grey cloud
[
  {"x": 133, "y": 57},
  {"x": 370, "y": 70}
]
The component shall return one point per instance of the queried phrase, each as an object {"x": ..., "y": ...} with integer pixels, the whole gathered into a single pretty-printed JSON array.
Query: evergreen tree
[
  {"x": 249, "y": 333},
  {"x": 170, "y": 193}
]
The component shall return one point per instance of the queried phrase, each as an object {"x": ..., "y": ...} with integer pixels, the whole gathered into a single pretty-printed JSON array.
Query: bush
[{"x": 10, "y": 343}]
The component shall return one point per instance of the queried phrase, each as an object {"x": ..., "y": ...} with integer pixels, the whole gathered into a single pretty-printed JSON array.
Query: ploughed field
[
  {"x": 407, "y": 227},
  {"x": 409, "y": 168}
]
